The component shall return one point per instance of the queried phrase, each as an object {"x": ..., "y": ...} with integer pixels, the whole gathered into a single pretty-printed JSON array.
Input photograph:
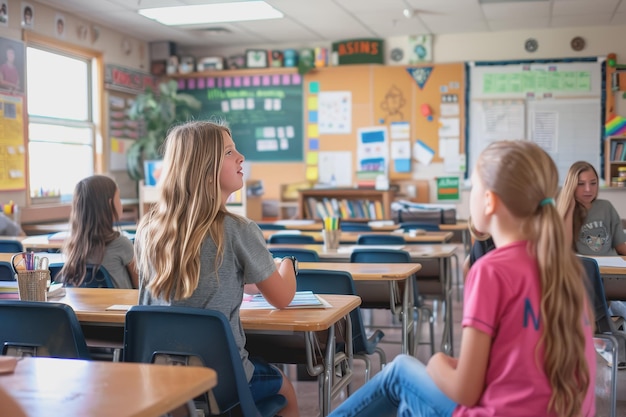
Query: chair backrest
[
  {"x": 335, "y": 282},
  {"x": 375, "y": 294},
  {"x": 595, "y": 289},
  {"x": 30, "y": 328},
  {"x": 55, "y": 268},
  {"x": 11, "y": 246},
  {"x": 181, "y": 335},
  {"x": 302, "y": 255},
  {"x": 102, "y": 278},
  {"x": 381, "y": 255},
  {"x": 355, "y": 227},
  {"x": 429, "y": 227},
  {"x": 286, "y": 238},
  {"x": 380, "y": 239},
  {"x": 6, "y": 271},
  {"x": 271, "y": 226}
]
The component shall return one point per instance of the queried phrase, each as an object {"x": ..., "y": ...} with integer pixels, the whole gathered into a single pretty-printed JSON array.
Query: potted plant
[{"x": 158, "y": 110}]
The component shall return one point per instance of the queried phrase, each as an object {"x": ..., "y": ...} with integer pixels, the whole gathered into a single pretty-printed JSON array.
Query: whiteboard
[{"x": 557, "y": 105}]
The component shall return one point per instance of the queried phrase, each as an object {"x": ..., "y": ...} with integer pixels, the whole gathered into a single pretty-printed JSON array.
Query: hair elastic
[{"x": 545, "y": 201}]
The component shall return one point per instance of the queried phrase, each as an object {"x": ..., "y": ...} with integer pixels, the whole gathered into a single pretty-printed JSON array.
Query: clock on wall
[
  {"x": 577, "y": 43},
  {"x": 531, "y": 45}
]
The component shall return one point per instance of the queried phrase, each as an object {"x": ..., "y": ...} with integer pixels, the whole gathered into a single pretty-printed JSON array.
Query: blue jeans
[{"x": 403, "y": 389}]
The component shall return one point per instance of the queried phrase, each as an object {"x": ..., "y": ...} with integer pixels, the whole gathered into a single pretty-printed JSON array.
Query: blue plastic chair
[
  {"x": 340, "y": 282},
  {"x": 30, "y": 328},
  {"x": 11, "y": 246},
  {"x": 102, "y": 279},
  {"x": 355, "y": 227},
  {"x": 380, "y": 239},
  {"x": 377, "y": 294},
  {"x": 270, "y": 226},
  {"x": 6, "y": 271},
  {"x": 295, "y": 238},
  {"x": 302, "y": 255},
  {"x": 196, "y": 337},
  {"x": 429, "y": 227}
]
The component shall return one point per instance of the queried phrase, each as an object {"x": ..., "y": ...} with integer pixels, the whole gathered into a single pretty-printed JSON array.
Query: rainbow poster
[{"x": 615, "y": 126}]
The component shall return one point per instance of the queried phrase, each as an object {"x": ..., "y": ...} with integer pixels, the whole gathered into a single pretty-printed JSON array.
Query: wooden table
[
  {"x": 463, "y": 227},
  {"x": 45, "y": 242},
  {"x": 442, "y": 254},
  {"x": 90, "y": 305},
  {"x": 352, "y": 237},
  {"x": 69, "y": 387},
  {"x": 391, "y": 273}
]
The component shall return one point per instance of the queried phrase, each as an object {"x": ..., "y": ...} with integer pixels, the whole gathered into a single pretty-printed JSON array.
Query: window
[{"x": 62, "y": 128}]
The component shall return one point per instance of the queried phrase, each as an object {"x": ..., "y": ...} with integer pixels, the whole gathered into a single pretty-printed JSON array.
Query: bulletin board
[
  {"x": 12, "y": 149},
  {"x": 389, "y": 96},
  {"x": 556, "y": 104},
  {"x": 263, "y": 111}
]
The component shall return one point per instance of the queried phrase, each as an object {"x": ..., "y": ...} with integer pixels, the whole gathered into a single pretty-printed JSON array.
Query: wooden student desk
[
  {"x": 43, "y": 242},
  {"x": 614, "y": 278},
  {"x": 442, "y": 254},
  {"x": 352, "y": 237},
  {"x": 391, "y": 273},
  {"x": 70, "y": 388},
  {"x": 90, "y": 305}
]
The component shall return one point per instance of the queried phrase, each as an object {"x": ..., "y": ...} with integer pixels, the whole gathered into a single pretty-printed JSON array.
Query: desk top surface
[
  {"x": 368, "y": 271},
  {"x": 351, "y": 237},
  {"x": 342, "y": 254},
  {"x": 90, "y": 305},
  {"x": 69, "y": 387}
]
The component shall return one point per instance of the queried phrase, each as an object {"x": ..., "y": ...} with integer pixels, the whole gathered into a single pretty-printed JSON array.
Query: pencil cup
[
  {"x": 33, "y": 285},
  {"x": 331, "y": 238}
]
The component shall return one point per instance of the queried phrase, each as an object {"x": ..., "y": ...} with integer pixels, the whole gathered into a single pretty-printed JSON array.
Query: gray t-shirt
[
  {"x": 117, "y": 255},
  {"x": 601, "y": 231},
  {"x": 8, "y": 227},
  {"x": 246, "y": 261}
]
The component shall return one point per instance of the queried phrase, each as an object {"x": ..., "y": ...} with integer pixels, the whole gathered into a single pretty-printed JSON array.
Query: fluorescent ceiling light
[{"x": 212, "y": 13}]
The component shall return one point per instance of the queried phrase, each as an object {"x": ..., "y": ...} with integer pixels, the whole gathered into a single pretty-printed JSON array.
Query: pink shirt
[{"x": 502, "y": 295}]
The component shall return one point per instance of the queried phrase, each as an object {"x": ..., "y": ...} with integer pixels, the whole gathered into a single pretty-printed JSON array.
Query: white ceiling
[{"x": 323, "y": 21}]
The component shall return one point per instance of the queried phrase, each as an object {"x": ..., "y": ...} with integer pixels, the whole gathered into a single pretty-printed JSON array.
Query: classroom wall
[
  {"x": 488, "y": 46},
  {"x": 99, "y": 38},
  {"x": 553, "y": 43}
]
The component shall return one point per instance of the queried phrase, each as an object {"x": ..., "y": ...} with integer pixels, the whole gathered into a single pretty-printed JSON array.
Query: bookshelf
[
  {"x": 615, "y": 157},
  {"x": 347, "y": 203}
]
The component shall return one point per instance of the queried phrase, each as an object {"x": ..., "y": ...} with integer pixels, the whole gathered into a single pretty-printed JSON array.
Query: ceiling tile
[
  {"x": 515, "y": 10},
  {"x": 573, "y": 7},
  {"x": 581, "y": 20}
]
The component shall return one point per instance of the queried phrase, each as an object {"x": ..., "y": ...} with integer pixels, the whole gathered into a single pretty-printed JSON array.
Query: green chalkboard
[{"x": 264, "y": 112}]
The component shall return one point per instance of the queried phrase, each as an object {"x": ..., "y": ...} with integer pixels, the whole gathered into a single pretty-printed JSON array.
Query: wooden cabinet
[
  {"x": 615, "y": 158},
  {"x": 347, "y": 203}
]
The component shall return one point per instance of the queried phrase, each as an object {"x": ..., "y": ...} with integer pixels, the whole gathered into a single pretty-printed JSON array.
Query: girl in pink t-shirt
[{"x": 527, "y": 341}]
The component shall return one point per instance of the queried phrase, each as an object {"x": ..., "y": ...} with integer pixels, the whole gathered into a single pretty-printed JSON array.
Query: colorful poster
[
  {"x": 448, "y": 188},
  {"x": 12, "y": 151},
  {"x": 335, "y": 112}
]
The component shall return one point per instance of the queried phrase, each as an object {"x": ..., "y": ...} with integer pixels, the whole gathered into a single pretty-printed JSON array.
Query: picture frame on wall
[
  {"x": 12, "y": 65},
  {"x": 256, "y": 58}
]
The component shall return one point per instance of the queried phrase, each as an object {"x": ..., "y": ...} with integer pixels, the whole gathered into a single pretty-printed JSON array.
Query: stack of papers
[{"x": 302, "y": 299}]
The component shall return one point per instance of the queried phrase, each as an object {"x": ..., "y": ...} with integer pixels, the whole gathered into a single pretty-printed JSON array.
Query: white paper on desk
[
  {"x": 302, "y": 299},
  {"x": 609, "y": 261},
  {"x": 119, "y": 307}
]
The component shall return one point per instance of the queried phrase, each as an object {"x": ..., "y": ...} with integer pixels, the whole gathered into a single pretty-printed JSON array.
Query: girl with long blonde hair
[
  {"x": 527, "y": 342},
  {"x": 192, "y": 252}
]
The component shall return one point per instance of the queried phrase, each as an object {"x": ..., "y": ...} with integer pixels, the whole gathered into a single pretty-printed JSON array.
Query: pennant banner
[{"x": 420, "y": 75}]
